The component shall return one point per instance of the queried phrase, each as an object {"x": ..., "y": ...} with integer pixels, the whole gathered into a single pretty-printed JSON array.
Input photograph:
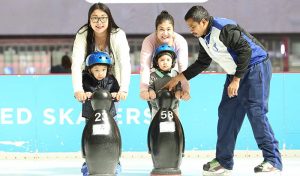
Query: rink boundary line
[{"x": 187, "y": 154}]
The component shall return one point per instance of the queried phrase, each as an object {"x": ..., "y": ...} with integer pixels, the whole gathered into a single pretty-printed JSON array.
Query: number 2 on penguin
[{"x": 98, "y": 117}]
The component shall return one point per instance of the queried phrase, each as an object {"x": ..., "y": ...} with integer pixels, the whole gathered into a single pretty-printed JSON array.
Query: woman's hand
[
  {"x": 148, "y": 95},
  {"x": 114, "y": 94},
  {"x": 144, "y": 95},
  {"x": 80, "y": 96},
  {"x": 152, "y": 94},
  {"x": 121, "y": 95}
]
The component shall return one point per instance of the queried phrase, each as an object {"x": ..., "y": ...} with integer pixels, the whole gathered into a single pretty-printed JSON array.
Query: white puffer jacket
[{"x": 120, "y": 49}]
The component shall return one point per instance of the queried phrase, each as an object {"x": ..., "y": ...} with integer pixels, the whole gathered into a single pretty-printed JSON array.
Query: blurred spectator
[
  {"x": 30, "y": 70},
  {"x": 65, "y": 66},
  {"x": 8, "y": 70}
]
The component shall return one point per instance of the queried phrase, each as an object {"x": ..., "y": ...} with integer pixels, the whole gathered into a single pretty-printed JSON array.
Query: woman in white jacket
[{"x": 101, "y": 33}]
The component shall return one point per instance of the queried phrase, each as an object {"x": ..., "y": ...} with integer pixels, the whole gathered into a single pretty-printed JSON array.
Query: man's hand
[
  {"x": 184, "y": 95},
  {"x": 174, "y": 81},
  {"x": 233, "y": 87}
]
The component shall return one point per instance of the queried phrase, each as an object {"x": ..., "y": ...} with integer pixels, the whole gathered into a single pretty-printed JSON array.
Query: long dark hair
[{"x": 112, "y": 27}]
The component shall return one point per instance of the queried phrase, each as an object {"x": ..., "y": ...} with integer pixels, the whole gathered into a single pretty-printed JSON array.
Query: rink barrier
[{"x": 39, "y": 114}]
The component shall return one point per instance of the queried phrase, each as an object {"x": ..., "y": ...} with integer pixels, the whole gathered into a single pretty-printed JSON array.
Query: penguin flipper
[
  {"x": 149, "y": 136},
  {"x": 83, "y": 141}
]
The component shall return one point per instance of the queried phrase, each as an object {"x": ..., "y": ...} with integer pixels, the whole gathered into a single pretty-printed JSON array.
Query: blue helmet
[
  {"x": 160, "y": 50},
  {"x": 98, "y": 57}
]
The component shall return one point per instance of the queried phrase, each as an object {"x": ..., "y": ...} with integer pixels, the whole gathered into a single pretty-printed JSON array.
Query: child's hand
[
  {"x": 88, "y": 94},
  {"x": 152, "y": 94},
  {"x": 114, "y": 94}
]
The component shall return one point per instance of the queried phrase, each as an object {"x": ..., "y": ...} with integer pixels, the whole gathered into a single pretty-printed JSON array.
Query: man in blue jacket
[{"x": 246, "y": 89}]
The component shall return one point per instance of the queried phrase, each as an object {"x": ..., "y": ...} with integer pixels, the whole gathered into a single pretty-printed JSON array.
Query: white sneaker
[
  {"x": 214, "y": 168},
  {"x": 265, "y": 168}
]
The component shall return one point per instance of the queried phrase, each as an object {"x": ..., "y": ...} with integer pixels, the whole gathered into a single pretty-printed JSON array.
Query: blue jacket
[{"x": 230, "y": 46}]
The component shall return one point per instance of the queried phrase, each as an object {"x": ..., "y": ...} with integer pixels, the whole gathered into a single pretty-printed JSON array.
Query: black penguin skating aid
[
  {"x": 166, "y": 137},
  {"x": 101, "y": 138}
]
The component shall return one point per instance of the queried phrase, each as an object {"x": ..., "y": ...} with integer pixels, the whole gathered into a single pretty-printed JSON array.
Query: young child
[
  {"x": 98, "y": 76},
  {"x": 164, "y": 61}
]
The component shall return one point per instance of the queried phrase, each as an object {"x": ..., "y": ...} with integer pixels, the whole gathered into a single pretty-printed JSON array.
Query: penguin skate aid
[
  {"x": 165, "y": 134},
  {"x": 101, "y": 142},
  {"x": 166, "y": 137},
  {"x": 101, "y": 137}
]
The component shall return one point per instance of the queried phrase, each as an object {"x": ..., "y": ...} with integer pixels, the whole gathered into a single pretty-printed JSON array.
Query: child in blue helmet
[
  {"x": 98, "y": 65},
  {"x": 164, "y": 61},
  {"x": 97, "y": 75}
]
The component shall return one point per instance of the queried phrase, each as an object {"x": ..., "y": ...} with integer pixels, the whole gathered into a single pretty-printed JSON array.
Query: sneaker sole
[
  {"x": 225, "y": 173},
  {"x": 276, "y": 173}
]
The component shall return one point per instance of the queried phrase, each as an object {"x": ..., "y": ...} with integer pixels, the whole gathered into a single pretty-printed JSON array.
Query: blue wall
[{"x": 40, "y": 114}]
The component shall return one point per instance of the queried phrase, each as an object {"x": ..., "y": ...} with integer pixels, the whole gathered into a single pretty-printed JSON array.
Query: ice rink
[{"x": 137, "y": 165}]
